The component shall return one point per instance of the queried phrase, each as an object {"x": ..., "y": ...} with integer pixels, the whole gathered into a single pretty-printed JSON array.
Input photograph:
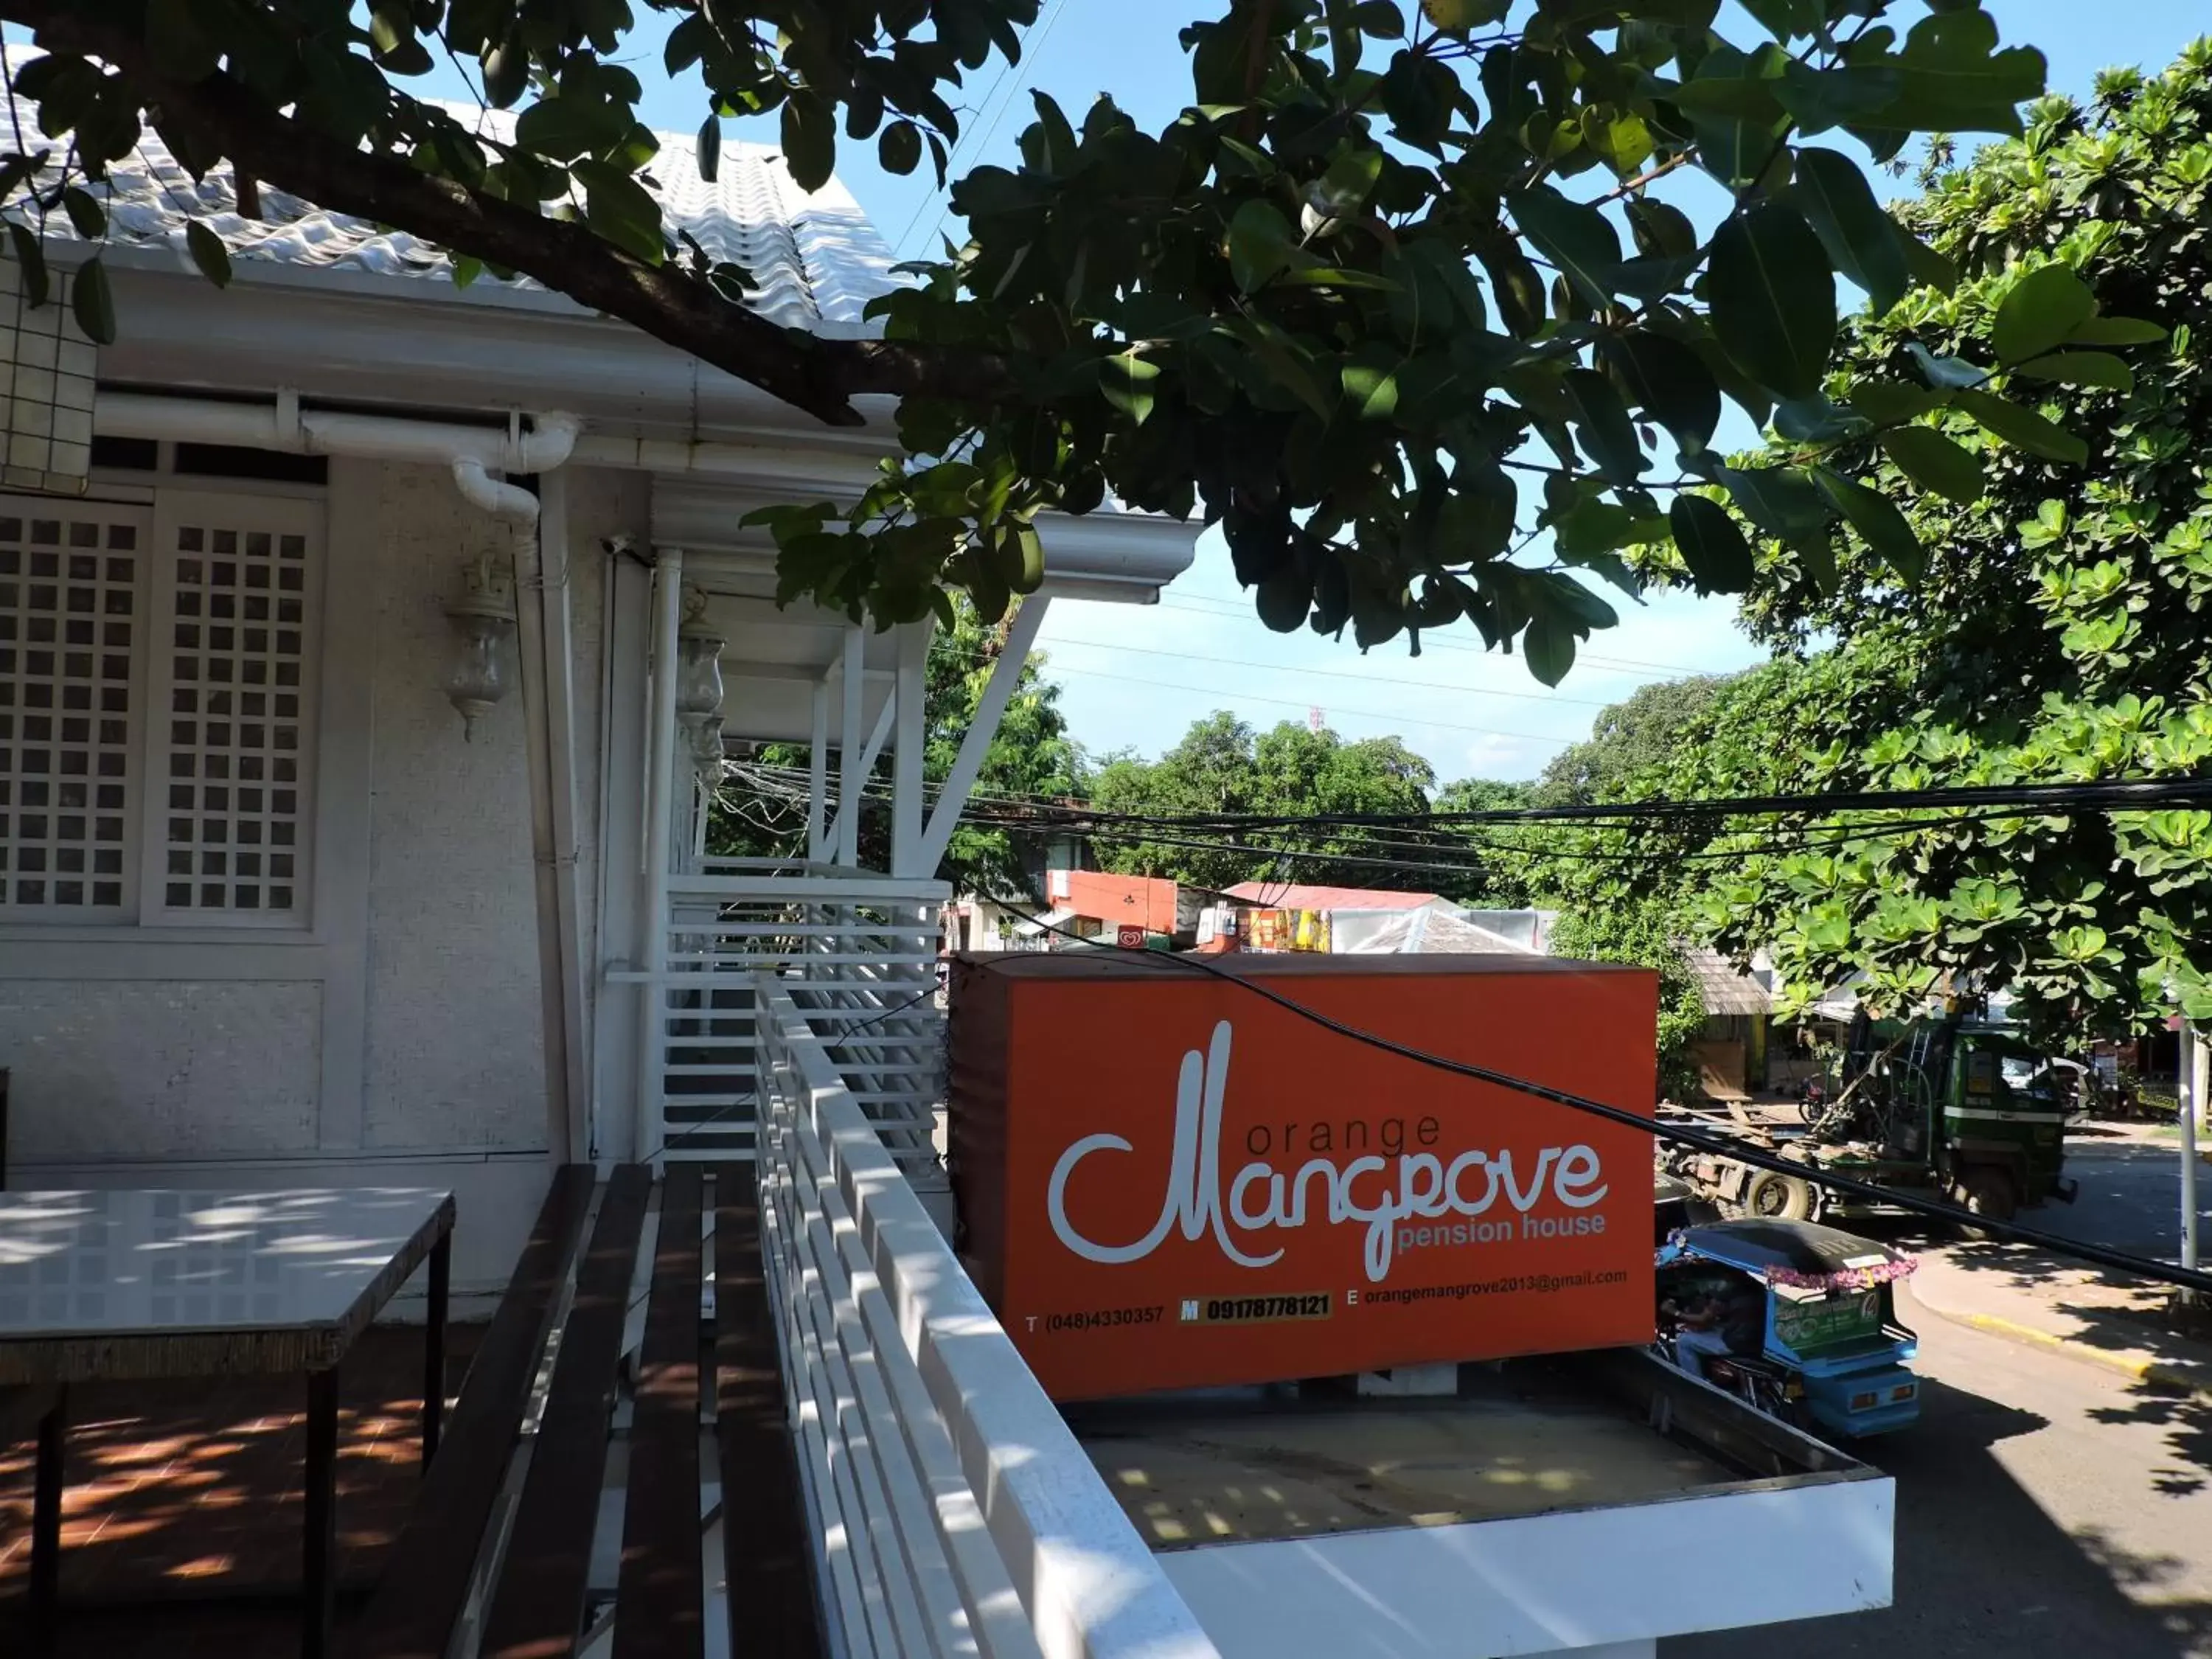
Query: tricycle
[{"x": 1797, "y": 1318}]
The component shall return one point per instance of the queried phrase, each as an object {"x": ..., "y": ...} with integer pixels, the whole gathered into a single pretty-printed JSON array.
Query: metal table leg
[
  {"x": 319, "y": 1581},
  {"x": 46, "y": 1523},
  {"x": 433, "y": 1349}
]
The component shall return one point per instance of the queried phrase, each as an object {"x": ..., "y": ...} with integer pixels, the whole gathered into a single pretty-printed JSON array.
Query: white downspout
[{"x": 543, "y": 638}]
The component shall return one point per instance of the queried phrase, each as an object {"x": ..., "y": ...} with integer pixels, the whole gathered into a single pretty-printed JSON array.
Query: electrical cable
[{"x": 1720, "y": 1146}]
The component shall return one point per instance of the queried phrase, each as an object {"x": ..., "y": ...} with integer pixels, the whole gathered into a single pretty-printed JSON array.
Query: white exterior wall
[
  {"x": 398, "y": 1039},
  {"x": 455, "y": 1056}
]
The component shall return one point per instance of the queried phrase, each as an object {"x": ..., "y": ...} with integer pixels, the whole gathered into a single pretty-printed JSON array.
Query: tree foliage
[
  {"x": 2060, "y": 632},
  {"x": 1223, "y": 766},
  {"x": 1394, "y": 301}
]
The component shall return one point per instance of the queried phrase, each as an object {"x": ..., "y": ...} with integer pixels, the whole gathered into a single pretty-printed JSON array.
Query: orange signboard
[{"x": 1166, "y": 1181}]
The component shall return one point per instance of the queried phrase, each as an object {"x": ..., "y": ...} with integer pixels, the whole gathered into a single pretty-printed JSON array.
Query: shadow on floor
[{"x": 182, "y": 1519}]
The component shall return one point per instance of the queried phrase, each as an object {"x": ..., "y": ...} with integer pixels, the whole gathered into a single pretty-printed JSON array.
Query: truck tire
[
  {"x": 1989, "y": 1189},
  {"x": 1772, "y": 1197}
]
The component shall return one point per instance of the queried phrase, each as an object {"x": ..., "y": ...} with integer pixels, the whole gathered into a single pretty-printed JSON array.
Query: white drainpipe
[{"x": 543, "y": 624}]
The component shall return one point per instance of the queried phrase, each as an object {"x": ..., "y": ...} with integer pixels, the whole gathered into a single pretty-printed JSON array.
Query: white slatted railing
[
  {"x": 957, "y": 1514},
  {"x": 857, "y": 951}
]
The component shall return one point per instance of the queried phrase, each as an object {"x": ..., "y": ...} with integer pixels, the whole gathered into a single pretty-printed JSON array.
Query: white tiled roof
[{"x": 816, "y": 258}]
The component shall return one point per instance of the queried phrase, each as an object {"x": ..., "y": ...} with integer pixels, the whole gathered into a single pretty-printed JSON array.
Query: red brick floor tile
[{"x": 181, "y": 1494}]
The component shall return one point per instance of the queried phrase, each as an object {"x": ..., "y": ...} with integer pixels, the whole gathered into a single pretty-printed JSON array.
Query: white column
[
  {"x": 906, "y": 755},
  {"x": 850, "y": 777},
  {"x": 975, "y": 742},
  {"x": 660, "y": 787},
  {"x": 817, "y": 775}
]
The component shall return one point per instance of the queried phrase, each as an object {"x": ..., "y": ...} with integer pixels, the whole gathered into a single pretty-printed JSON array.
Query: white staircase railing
[
  {"x": 857, "y": 951},
  {"x": 958, "y": 1515}
]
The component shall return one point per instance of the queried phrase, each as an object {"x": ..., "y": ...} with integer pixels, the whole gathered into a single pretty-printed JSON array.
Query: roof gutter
[{"x": 472, "y": 454}]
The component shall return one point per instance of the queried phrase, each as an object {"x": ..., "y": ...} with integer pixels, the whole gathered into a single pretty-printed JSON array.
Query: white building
[{"x": 272, "y": 919}]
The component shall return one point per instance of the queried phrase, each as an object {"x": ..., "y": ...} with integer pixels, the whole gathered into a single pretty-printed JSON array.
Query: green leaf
[
  {"x": 621, "y": 210},
  {"x": 1574, "y": 236},
  {"x": 1711, "y": 544},
  {"x": 2038, "y": 312},
  {"x": 1861, "y": 239},
  {"x": 1951, "y": 373},
  {"x": 1929, "y": 268},
  {"x": 1291, "y": 365},
  {"x": 1955, "y": 80},
  {"x": 899, "y": 148},
  {"x": 1876, "y": 519},
  {"x": 1458, "y": 18},
  {"x": 1773, "y": 298},
  {"x": 2115, "y": 332},
  {"x": 1126, "y": 381},
  {"x": 564, "y": 127},
  {"x": 1593, "y": 526},
  {"x": 92, "y": 303},
  {"x": 1886, "y": 403},
  {"x": 1549, "y": 645},
  {"x": 1283, "y": 598},
  {"x": 810, "y": 139},
  {"x": 1669, "y": 382},
  {"x": 710, "y": 147},
  {"x": 2090, "y": 368},
  {"x": 33, "y": 258},
  {"x": 85, "y": 213},
  {"x": 1604, "y": 430},
  {"x": 506, "y": 70},
  {"x": 208, "y": 252},
  {"x": 1261, "y": 246},
  {"x": 1780, "y": 499},
  {"x": 1380, "y": 18},
  {"x": 1350, "y": 180},
  {"x": 2023, "y": 429},
  {"x": 1821, "y": 99},
  {"x": 1370, "y": 390},
  {"x": 1936, "y": 463}
]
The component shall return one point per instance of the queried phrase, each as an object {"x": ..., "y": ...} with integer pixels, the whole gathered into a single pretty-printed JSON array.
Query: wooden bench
[{"x": 536, "y": 1601}]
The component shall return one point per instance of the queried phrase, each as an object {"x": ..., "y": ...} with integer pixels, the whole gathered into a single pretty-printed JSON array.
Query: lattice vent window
[
  {"x": 71, "y": 603},
  {"x": 236, "y": 654}
]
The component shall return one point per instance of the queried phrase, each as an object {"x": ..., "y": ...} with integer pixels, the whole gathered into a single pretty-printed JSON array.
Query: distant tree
[
  {"x": 1223, "y": 766},
  {"x": 1032, "y": 756},
  {"x": 1626, "y": 739},
  {"x": 1482, "y": 795}
]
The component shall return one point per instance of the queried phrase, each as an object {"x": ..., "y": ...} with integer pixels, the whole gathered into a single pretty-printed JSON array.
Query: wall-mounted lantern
[
  {"x": 699, "y": 688},
  {"x": 483, "y": 622}
]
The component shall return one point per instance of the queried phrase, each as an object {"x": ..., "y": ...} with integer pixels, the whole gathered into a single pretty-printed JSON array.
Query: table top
[{"x": 164, "y": 1264}]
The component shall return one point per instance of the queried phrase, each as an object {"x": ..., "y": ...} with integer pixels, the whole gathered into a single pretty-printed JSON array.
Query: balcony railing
[
  {"x": 856, "y": 951},
  {"x": 958, "y": 1513}
]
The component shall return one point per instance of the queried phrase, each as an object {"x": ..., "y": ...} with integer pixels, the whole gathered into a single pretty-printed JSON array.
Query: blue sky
[{"x": 1135, "y": 678}]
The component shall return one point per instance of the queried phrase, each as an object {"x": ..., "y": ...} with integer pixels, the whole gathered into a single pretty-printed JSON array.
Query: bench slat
[
  {"x": 538, "y": 1607},
  {"x": 766, "y": 1555},
  {"x": 659, "y": 1601},
  {"x": 425, "y": 1584}
]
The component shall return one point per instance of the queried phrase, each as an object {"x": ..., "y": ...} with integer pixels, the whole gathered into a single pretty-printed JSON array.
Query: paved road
[
  {"x": 2047, "y": 1510},
  {"x": 2130, "y": 1197}
]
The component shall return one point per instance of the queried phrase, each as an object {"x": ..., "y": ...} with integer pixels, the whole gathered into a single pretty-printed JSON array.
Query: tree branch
[{"x": 818, "y": 376}]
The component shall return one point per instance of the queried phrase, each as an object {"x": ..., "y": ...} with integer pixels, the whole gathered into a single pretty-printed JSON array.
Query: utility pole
[{"x": 2191, "y": 1105}]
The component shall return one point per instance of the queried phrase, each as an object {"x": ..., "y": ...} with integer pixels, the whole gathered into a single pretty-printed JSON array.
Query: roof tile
[{"x": 815, "y": 258}]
